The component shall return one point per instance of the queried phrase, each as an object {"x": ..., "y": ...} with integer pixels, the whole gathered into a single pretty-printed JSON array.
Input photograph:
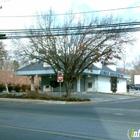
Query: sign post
[{"x": 60, "y": 79}]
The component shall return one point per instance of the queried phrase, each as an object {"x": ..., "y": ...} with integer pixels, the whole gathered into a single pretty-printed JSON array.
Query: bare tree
[
  {"x": 3, "y": 54},
  {"x": 7, "y": 64},
  {"x": 74, "y": 45},
  {"x": 135, "y": 68},
  {"x": 136, "y": 65},
  {"x": 132, "y": 68},
  {"x": 15, "y": 65}
]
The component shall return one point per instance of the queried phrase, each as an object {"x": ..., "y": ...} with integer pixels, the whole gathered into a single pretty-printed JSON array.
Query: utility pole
[{"x": 2, "y": 36}]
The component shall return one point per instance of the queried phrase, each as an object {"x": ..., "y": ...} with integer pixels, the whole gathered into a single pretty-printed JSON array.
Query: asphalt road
[{"x": 108, "y": 120}]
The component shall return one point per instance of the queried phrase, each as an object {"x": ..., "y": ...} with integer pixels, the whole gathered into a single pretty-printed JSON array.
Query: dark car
[
  {"x": 137, "y": 87},
  {"x": 132, "y": 86}
]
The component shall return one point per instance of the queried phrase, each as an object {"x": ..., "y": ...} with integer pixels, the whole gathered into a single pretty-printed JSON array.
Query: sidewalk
[{"x": 131, "y": 93}]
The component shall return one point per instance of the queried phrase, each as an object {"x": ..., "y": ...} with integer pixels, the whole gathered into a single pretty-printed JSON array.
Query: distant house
[{"x": 103, "y": 78}]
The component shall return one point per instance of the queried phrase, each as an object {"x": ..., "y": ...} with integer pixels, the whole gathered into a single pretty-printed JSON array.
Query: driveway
[{"x": 102, "y": 97}]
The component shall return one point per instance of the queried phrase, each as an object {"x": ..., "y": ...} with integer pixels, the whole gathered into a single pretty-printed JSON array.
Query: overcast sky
[{"x": 31, "y": 7}]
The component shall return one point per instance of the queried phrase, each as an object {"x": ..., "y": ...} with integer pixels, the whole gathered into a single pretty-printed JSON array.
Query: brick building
[{"x": 7, "y": 76}]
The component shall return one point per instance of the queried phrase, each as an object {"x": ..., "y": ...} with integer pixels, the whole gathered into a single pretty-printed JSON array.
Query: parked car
[
  {"x": 132, "y": 86},
  {"x": 137, "y": 87}
]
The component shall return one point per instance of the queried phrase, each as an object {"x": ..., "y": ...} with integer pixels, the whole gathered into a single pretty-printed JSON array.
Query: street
[{"x": 108, "y": 120}]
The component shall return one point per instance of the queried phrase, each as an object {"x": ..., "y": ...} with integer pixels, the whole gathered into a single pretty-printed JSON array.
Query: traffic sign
[{"x": 60, "y": 77}]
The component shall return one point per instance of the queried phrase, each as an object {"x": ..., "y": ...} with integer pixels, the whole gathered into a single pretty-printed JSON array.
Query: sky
[{"x": 13, "y": 14}]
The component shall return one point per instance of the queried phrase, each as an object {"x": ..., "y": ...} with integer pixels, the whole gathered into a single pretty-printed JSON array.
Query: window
[{"x": 72, "y": 86}]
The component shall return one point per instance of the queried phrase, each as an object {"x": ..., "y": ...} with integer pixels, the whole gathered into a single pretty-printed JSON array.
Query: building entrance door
[{"x": 113, "y": 84}]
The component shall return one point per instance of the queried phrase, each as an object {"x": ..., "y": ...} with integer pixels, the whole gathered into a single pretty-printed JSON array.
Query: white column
[
  {"x": 78, "y": 85},
  {"x": 32, "y": 83}
]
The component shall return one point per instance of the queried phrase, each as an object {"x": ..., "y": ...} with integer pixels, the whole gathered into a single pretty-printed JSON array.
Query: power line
[
  {"x": 88, "y": 12},
  {"x": 123, "y": 24},
  {"x": 74, "y": 30},
  {"x": 62, "y": 32},
  {"x": 103, "y": 10},
  {"x": 136, "y": 29}
]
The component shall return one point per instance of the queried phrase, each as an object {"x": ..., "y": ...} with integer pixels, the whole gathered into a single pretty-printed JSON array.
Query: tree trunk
[
  {"x": 6, "y": 86},
  {"x": 68, "y": 89}
]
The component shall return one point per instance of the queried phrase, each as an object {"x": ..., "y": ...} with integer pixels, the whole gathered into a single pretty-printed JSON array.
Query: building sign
[{"x": 111, "y": 74}]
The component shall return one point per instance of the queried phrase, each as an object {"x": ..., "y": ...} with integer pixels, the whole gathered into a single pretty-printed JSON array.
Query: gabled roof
[
  {"x": 34, "y": 66},
  {"x": 105, "y": 68},
  {"x": 38, "y": 68}
]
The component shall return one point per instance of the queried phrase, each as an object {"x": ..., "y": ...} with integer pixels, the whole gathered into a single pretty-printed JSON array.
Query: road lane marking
[
  {"x": 68, "y": 117},
  {"x": 52, "y": 132},
  {"x": 118, "y": 114},
  {"x": 116, "y": 109}
]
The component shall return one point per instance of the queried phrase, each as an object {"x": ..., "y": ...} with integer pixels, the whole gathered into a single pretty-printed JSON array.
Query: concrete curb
[{"x": 40, "y": 101}]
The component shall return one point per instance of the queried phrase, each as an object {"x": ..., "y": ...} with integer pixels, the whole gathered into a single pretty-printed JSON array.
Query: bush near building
[
  {"x": 16, "y": 82},
  {"x": 10, "y": 87},
  {"x": 18, "y": 87},
  {"x": 2, "y": 87},
  {"x": 42, "y": 96},
  {"x": 25, "y": 87}
]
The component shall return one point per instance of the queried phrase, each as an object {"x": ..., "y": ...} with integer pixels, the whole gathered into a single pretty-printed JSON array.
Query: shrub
[
  {"x": 36, "y": 94},
  {"x": 3, "y": 95},
  {"x": 36, "y": 88},
  {"x": 17, "y": 88},
  {"x": 28, "y": 87},
  {"x": 2, "y": 87},
  {"x": 42, "y": 96},
  {"x": 10, "y": 87},
  {"x": 24, "y": 87},
  {"x": 10, "y": 95}
]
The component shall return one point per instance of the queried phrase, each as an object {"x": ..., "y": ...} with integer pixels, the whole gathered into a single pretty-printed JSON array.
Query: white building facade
[{"x": 105, "y": 79}]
